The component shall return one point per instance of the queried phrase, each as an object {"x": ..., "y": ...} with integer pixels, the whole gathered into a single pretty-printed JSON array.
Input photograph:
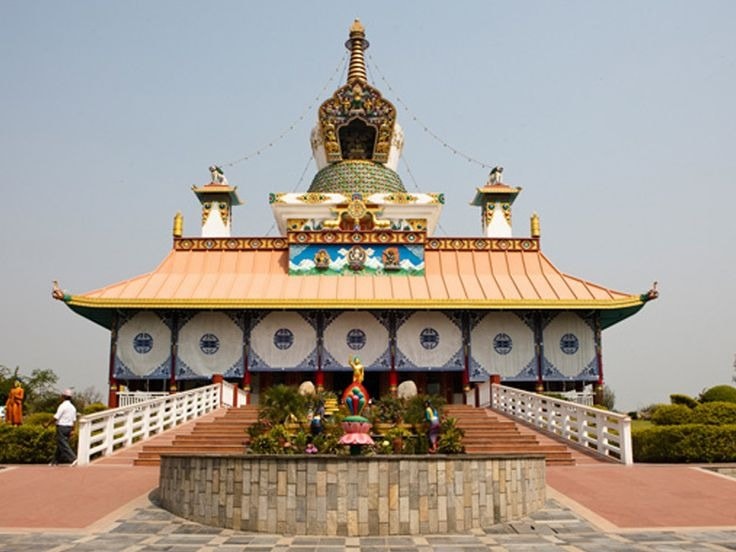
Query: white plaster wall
[
  {"x": 522, "y": 344},
  {"x": 499, "y": 226},
  {"x": 148, "y": 322},
  {"x": 262, "y": 342},
  {"x": 213, "y": 227},
  {"x": 569, "y": 364},
  {"x": 408, "y": 339},
  {"x": 228, "y": 333},
  {"x": 335, "y": 338}
]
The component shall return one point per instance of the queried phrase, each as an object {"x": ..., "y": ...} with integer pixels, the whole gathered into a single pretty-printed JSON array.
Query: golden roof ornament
[
  {"x": 357, "y": 44},
  {"x": 357, "y": 123}
]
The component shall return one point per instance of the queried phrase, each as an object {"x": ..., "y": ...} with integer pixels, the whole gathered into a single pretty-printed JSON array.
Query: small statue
[
  {"x": 495, "y": 176},
  {"x": 218, "y": 177},
  {"x": 358, "y": 369},
  {"x": 14, "y": 405}
]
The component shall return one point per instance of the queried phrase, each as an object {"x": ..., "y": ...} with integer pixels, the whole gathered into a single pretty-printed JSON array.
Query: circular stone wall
[{"x": 352, "y": 496}]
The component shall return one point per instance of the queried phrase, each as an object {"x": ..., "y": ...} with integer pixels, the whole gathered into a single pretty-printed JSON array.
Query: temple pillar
[
  {"x": 174, "y": 348},
  {"x": 539, "y": 351},
  {"x": 598, "y": 358},
  {"x": 112, "y": 396}
]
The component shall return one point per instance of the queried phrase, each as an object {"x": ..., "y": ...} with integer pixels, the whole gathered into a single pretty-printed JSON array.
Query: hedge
[
  {"x": 672, "y": 414},
  {"x": 725, "y": 393},
  {"x": 26, "y": 444},
  {"x": 685, "y": 443}
]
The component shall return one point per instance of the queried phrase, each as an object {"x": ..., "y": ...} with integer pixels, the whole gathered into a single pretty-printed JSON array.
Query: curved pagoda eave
[{"x": 101, "y": 311}]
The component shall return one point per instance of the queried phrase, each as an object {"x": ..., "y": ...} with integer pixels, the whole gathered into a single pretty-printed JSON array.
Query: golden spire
[
  {"x": 178, "y": 225},
  {"x": 536, "y": 232},
  {"x": 357, "y": 44}
]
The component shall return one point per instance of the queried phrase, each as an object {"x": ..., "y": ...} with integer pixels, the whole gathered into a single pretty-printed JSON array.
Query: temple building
[{"x": 356, "y": 270}]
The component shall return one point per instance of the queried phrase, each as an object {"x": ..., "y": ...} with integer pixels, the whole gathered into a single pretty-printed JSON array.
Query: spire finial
[{"x": 357, "y": 44}]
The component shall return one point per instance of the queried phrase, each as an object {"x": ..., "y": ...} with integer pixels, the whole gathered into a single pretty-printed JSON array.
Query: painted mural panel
[
  {"x": 209, "y": 343},
  {"x": 569, "y": 349},
  {"x": 282, "y": 341},
  {"x": 143, "y": 347},
  {"x": 502, "y": 343},
  {"x": 338, "y": 259},
  {"x": 429, "y": 341},
  {"x": 360, "y": 334}
]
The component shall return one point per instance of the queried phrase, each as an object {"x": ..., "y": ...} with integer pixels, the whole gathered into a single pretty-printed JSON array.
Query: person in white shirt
[{"x": 65, "y": 417}]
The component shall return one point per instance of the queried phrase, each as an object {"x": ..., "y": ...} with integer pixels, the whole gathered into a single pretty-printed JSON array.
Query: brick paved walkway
[{"x": 100, "y": 508}]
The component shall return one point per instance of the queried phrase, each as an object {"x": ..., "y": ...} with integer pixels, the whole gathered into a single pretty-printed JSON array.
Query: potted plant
[
  {"x": 396, "y": 436},
  {"x": 283, "y": 404},
  {"x": 387, "y": 413}
]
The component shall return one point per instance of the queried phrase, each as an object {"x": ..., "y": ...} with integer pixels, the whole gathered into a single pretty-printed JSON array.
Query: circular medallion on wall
[
  {"x": 569, "y": 344},
  {"x": 429, "y": 338},
  {"x": 209, "y": 344},
  {"x": 283, "y": 338},
  {"x": 502, "y": 344},
  {"x": 143, "y": 343},
  {"x": 355, "y": 339}
]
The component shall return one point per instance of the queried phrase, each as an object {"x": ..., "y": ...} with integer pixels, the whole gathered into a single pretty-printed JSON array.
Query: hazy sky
[{"x": 618, "y": 119}]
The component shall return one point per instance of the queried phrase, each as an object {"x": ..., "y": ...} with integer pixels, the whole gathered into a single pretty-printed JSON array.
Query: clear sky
[{"x": 618, "y": 119}]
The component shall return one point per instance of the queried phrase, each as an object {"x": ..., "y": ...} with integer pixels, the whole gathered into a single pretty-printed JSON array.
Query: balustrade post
[
  {"x": 627, "y": 452},
  {"x": 83, "y": 442}
]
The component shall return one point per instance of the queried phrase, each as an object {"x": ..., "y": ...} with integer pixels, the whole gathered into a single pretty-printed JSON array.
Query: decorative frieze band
[{"x": 357, "y": 237}]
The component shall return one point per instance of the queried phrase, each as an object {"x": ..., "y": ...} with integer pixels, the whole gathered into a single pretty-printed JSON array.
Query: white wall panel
[
  {"x": 355, "y": 334},
  {"x": 493, "y": 353},
  {"x": 577, "y": 358},
  {"x": 283, "y": 340},
  {"x": 429, "y": 340},
  {"x": 143, "y": 345},
  {"x": 209, "y": 343}
]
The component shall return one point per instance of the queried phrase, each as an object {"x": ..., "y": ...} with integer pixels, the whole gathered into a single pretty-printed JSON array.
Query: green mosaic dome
[{"x": 363, "y": 177}]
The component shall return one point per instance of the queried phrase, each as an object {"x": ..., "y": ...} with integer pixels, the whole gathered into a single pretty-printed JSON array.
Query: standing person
[
  {"x": 65, "y": 417},
  {"x": 14, "y": 405},
  {"x": 433, "y": 434},
  {"x": 316, "y": 425}
]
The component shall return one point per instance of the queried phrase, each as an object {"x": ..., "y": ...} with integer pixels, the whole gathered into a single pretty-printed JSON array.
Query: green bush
[
  {"x": 93, "y": 408},
  {"x": 26, "y": 444},
  {"x": 39, "y": 419},
  {"x": 678, "y": 398},
  {"x": 715, "y": 413},
  {"x": 672, "y": 414},
  {"x": 722, "y": 393},
  {"x": 685, "y": 443}
]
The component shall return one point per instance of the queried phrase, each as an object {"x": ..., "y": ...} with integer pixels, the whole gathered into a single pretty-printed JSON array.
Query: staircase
[
  {"x": 226, "y": 434},
  {"x": 485, "y": 432}
]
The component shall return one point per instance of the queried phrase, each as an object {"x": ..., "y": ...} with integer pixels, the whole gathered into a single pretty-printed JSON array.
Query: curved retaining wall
[{"x": 352, "y": 496}]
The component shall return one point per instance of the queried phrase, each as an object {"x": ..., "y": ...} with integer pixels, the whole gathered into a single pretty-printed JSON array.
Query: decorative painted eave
[
  {"x": 499, "y": 190},
  {"x": 202, "y": 192},
  {"x": 460, "y": 273}
]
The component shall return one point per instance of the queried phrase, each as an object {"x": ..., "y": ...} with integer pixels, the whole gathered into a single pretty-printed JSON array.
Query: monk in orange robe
[{"x": 14, "y": 405}]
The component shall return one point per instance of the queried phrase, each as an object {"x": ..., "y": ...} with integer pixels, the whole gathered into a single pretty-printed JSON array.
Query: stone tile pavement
[{"x": 554, "y": 528}]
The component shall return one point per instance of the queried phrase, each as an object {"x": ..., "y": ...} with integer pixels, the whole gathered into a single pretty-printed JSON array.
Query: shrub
[
  {"x": 39, "y": 419},
  {"x": 685, "y": 443},
  {"x": 26, "y": 444},
  {"x": 283, "y": 403},
  {"x": 93, "y": 408},
  {"x": 715, "y": 413},
  {"x": 414, "y": 413},
  {"x": 724, "y": 393},
  {"x": 686, "y": 400},
  {"x": 451, "y": 437},
  {"x": 672, "y": 414}
]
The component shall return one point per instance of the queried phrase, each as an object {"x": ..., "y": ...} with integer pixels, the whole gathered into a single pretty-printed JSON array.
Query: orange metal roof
[{"x": 259, "y": 278}]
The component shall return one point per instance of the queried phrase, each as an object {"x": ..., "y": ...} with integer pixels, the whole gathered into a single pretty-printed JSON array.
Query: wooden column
[
  {"x": 539, "y": 350},
  {"x": 174, "y": 348},
  {"x": 112, "y": 396}
]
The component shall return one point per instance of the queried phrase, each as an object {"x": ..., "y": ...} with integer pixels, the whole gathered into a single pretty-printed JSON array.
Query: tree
[{"x": 40, "y": 393}]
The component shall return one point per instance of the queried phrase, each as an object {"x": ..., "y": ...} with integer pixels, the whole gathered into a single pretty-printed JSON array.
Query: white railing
[
  {"x": 233, "y": 396},
  {"x": 605, "y": 433},
  {"x": 126, "y": 398},
  {"x": 107, "y": 431}
]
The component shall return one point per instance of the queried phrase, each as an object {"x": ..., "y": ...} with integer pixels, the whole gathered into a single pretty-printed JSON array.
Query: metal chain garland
[
  {"x": 338, "y": 70},
  {"x": 424, "y": 126},
  {"x": 416, "y": 185}
]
